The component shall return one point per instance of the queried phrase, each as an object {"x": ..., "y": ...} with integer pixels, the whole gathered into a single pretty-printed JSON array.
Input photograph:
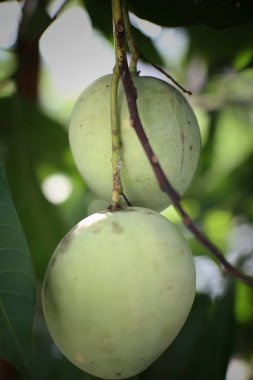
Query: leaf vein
[
  {"x": 18, "y": 294},
  {"x": 16, "y": 341},
  {"x": 16, "y": 271}
]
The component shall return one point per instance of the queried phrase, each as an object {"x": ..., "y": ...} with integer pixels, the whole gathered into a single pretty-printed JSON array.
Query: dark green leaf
[
  {"x": 147, "y": 48},
  {"x": 209, "y": 44},
  {"x": 219, "y": 339},
  {"x": 100, "y": 12},
  {"x": 202, "y": 349},
  {"x": 101, "y": 17},
  {"x": 216, "y": 14},
  {"x": 34, "y": 22},
  {"x": 33, "y": 141},
  {"x": 185, "y": 348},
  {"x": 234, "y": 191},
  {"x": 17, "y": 287},
  {"x": 51, "y": 364},
  {"x": 46, "y": 140}
]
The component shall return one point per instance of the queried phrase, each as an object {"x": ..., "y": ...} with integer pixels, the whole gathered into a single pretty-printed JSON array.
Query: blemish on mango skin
[
  {"x": 45, "y": 290},
  {"x": 65, "y": 242},
  {"x": 80, "y": 358},
  {"x": 116, "y": 228},
  {"x": 150, "y": 212},
  {"x": 96, "y": 229},
  {"x": 52, "y": 262}
]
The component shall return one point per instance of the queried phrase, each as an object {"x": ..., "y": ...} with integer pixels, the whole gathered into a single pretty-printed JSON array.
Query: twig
[
  {"x": 117, "y": 188},
  {"x": 30, "y": 54},
  {"x": 59, "y": 10},
  {"x": 158, "y": 68},
  {"x": 135, "y": 54},
  {"x": 165, "y": 185}
]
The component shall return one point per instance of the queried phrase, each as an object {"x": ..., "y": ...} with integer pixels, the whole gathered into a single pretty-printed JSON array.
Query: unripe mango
[
  {"x": 117, "y": 291},
  {"x": 171, "y": 128}
]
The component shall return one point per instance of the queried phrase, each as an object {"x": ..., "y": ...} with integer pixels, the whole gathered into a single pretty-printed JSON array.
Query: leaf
[
  {"x": 33, "y": 142},
  {"x": 146, "y": 47},
  {"x": 184, "y": 349},
  {"x": 46, "y": 139},
  {"x": 17, "y": 287},
  {"x": 202, "y": 349},
  {"x": 217, "y": 14},
  {"x": 219, "y": 342},
  {"x": 100, "y": 13},
  {"x": 209, "y": 44}
]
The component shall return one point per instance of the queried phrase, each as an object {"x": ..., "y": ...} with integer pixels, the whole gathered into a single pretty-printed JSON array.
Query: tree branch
[
  {"x": 158, "y": 68},
  {"x": 131, "y": 96}
]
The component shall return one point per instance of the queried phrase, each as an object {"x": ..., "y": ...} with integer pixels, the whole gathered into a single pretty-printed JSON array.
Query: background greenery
[{"x": 217, "y": 64}]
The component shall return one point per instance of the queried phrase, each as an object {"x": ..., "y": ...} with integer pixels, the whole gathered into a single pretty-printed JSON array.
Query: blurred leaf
[
  {"x": 217, "y": 224},
  {"x": 229, "y": 91},
  {"x": 185, "y": 348},
  {"x": 100, "y": 13},
  {"x": 34, "y": 21},
  {"x": 244, "y": 304},
  {"x": 31, "y": 140},
  {"x": 208, "y": 148},
  {"x": 219, "y": 341},
  {"x": 17, "y": 287},
  {"x": 207, "y": 38},
  {"x": 234, "y": 191},
  {"x": 46, "y": 139},
  {"x": 209, "y": 44},
  {"x": 216, "y": 14},
  {"x": 7, "y": 64},
  {"x": 146, "y": 47},
  {"x": 51, "y": 363},
  {"x": 202, "y": 349},
  {"x": 243, "y": 59},
  {"x": 101, "y": 17}
]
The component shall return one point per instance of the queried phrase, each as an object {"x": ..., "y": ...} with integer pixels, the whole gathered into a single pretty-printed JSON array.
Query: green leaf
[
  {"x": 184, "y": 349},
  {"x": 203, "y": 347},
  {"x": 219, "y": 341},
  {"x": 100, "y": 13},
  {"x": 146, "y": 47},
  {"x": 46, "y": 139},
  {"x": 217, "y": 14},
  {"x": 17, "y": 287},
  {"x": 33, "y": 142},
  {"x": 209, "y": 44}
]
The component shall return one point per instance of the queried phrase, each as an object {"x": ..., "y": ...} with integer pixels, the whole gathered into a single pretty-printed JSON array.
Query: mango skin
[
  {"x": 169, "y": 123},
  {"x": 117, "y": 291}
]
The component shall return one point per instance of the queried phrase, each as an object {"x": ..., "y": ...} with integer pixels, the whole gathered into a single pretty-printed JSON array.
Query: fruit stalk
[
  {"x": 164, "y": 184},
  {"x": 117, "y": 188},
  {"x": 135, "y": 54}
]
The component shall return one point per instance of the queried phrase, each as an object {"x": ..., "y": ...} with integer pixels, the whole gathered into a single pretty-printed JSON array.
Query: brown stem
[
  {"x": 164, "y": 184},
  {"x": 27, "y": 49},
  {"x": 158, "y": 68},
  {"x": 135, "y": 54}
]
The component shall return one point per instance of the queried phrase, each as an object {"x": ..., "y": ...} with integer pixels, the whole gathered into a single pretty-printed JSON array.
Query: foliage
[
  {"x": 218, "y": 65},
  {"x": 17, "y": 287}
]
